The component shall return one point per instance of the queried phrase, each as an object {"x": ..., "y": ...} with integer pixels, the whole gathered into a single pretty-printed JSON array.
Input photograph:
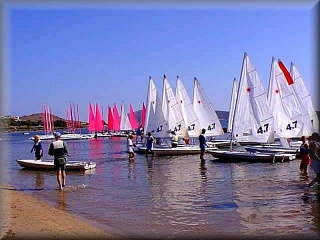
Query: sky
[{"x": 79, "y": 52}]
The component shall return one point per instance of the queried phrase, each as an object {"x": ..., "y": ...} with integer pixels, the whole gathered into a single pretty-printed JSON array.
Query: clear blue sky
[{"x": 57, "y": 54}]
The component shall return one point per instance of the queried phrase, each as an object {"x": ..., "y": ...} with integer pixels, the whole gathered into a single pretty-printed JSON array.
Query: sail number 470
[{"x": 263, "y": 129}]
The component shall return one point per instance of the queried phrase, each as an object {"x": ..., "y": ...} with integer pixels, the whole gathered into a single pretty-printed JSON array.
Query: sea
[{"x": 170, "y": 197}]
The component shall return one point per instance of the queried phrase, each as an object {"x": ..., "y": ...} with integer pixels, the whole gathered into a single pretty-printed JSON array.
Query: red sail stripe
[{"x": 286, "y": 73}]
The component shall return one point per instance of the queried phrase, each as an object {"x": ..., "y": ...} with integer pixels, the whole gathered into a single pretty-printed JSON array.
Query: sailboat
[
  {"x": 73, "y": 125},
  {"x": 166, "y": 117},
  {"x": 290, "y": 118},
  {"x": 253, "y": 119},
  {"x": 189, "y": 115},
  {"x": 303, "y": 93},
  {"x": 48, "y": 124},
  {"x": 99, "y": 124},
  {"x": 132, "y": 118},
  {"x": 207, "y": 116}
]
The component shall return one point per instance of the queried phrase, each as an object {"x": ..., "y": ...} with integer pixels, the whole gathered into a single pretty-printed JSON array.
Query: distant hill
[
  {"x": 38, "y": 117},
  {"x": 223, "y": 115}
]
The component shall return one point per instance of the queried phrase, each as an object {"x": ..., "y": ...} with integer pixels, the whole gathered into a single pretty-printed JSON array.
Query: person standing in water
[
  {"x": 202, "y": 142},
  {"x": 130, "y": 146},
  {"x": 305, "y": 158},
  {"x": 150, "y": 141},
  {"x": 37, "y": 147},
  {"x": 60, "y": 151},
  {"x": 314, "y": 152}
]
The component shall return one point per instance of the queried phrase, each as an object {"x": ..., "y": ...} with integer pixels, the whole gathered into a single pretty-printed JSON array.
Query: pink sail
[
  {"x": 132, "y": 118},
  {"x": 92, "y": 123},
  {"x": 143, "y": 114},
  {"x": 110, "y": 119},
  {"x": 116, "y": 118},
  {"x": 99, "y": 123}
]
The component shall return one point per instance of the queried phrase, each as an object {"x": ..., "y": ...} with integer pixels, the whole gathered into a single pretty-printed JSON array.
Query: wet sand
[{"x": 24, "y": 217}]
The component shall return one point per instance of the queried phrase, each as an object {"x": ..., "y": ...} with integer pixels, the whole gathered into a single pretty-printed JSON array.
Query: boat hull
[
  {"x": 168, "y": 151},
  {"x": 242, "y": 156},
  {"x": 48, "y": 165},
  {"x": 272, "y": 149}
]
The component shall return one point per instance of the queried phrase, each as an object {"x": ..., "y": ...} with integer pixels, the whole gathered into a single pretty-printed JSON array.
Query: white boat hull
[
  {"x": 242, "y": 156},
  {"x": 48, "y": 165},
  {"x": 180, "y": 150},
  {"x": 272, "y": 149}
]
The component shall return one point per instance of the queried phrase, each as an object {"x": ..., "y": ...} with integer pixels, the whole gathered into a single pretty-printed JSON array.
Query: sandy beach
[{"x": 24, "y": 217}]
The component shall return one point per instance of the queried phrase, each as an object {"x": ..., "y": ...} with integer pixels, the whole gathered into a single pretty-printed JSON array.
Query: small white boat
[
  {"x": 243, "y": 156},
  {"x": 48, "y": 165},
  {"x": 272, "y": 149},
  {"x": 67, "y": 136},
  {"x": 169, "y": 151}
]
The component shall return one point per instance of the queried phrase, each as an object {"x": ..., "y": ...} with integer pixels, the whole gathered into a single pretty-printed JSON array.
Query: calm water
[{"x": 171, "y": 196}]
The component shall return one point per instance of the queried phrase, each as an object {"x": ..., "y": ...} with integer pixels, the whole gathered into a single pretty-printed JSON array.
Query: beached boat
[{"x": 48, "y": 165}]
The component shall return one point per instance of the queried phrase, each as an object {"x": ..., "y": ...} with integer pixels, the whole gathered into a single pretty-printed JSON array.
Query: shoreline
[{"x": 25, "y": 217}]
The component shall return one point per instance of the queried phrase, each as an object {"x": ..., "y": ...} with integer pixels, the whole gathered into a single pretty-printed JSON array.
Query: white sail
[
  {"x": 171, "y": 110},
  {"x": 151, "y": 104},
  {"x": 253, "y": 119},
  {"x": 205, "y": 111},
  {"x": 155, "y": 121},
  {"x": 303, "y": 93},
  {"x": 189, "y": 115},
  {"x": 288, "y": 120},
  {"x": 232, "y": 104},
  {"x": 124, "y": 119}
]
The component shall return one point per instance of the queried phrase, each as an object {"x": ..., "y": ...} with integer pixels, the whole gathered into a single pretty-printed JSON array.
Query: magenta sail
[
  {"x": 116, "y": 118},
  {"x": 110, "y": 119},
  {"x": 98, "y": 120},
  {"x": 143, "y": 114},
  {"x": 132, "y": 118},
  {"x": 92, "y": 123}
]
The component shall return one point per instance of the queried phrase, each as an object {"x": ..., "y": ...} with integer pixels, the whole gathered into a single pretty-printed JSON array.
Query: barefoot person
[
  {"x": 37, "y": 148},
  {"x": 59, "y": 150}
]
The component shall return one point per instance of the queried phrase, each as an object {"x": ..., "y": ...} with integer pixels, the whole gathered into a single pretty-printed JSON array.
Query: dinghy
[
  {"x": 48, "y": 165},
  {"x": 252, "y": 118}
]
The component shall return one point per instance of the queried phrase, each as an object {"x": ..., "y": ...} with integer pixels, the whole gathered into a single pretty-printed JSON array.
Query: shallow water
[{"x": 171, "y": 196}]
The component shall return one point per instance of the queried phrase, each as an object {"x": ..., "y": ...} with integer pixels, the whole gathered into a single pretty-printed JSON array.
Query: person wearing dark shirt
[
  {"x": 37, "y": 148},
  {"x": 202, "y": 142},
  {"x": 59, "y": 150}
]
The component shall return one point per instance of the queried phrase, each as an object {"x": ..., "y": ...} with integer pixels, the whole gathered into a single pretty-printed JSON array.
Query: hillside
[{"x": 38, "y": 117}]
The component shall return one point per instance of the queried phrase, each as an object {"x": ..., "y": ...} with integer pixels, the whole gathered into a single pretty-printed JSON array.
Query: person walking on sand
[
  {"x": 150, "y": 141},
  {"x": 314, "y": 152},
  {"x": 305, "y": 158},
  {"x": 202, "y": 142},
  {"x": 130, "y": 146},
  {"x": 37, "y": 147},
  {"x": 60, "y": 151}
]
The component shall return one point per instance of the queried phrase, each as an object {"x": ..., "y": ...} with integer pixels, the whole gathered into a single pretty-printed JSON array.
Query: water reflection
[
  {"x": 62, "y": 199},
  {"x": 96, "y": 148},
  {"x": 39, "y": 180},
  {"x": 131, "y": 169}
]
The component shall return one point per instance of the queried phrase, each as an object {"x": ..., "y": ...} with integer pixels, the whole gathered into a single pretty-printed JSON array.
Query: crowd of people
[{"x": 309, "y": 151}]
